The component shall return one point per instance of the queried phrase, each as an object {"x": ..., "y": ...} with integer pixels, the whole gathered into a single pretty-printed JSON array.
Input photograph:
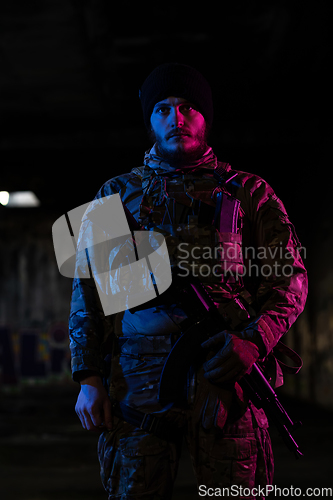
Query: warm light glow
[{"x": 4, "y": 197}]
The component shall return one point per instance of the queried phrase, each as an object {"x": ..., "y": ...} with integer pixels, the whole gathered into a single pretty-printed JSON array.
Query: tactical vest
[
  {"x": 195, "y": 214},
  {"x": 201, "y": 223}
]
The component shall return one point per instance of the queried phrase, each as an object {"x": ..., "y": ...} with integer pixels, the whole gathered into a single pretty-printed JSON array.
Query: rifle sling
[{"x": 289, "y": 353}]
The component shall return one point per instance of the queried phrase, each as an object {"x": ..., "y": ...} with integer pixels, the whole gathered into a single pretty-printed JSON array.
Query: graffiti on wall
[{"x": 34, "y": 355}]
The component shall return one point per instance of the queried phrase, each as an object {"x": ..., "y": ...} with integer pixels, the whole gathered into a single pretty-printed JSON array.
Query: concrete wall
[{"x": 34, "y": 300}]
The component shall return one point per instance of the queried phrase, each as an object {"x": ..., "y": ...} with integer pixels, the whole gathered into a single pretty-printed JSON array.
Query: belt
[{"x": 147, "y": 422}]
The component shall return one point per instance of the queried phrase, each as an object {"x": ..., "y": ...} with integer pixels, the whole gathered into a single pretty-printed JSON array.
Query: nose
[{"x": 177, "y": 118}]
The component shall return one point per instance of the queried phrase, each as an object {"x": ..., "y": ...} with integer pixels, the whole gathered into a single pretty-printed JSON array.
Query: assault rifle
[
  {"x": 197, "y": 303},
  {"x": 203, "y": 317}
]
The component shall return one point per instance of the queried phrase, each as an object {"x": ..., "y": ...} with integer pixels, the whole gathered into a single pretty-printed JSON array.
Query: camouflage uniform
[{"x": 139, "y": 465}]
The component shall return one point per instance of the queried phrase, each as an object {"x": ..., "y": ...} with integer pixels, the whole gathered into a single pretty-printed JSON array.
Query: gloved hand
[
  {"x": 234, "y": 358},
  {"x": 212, "y": 402}
]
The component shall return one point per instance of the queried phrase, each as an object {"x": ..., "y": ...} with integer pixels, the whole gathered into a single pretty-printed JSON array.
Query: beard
[{"x": 181, "y": 156}]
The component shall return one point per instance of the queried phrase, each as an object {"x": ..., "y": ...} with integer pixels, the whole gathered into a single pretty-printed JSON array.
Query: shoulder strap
[
  {"x": 227, "y": 207},
  {"x": 226, "y": 213}
]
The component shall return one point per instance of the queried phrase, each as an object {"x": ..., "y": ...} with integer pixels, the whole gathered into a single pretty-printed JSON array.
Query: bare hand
[{"x": 93, "y": 405}]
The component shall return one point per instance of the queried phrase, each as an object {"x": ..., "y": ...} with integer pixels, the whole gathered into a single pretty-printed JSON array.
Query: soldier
[{"x": 253, "y": 271}]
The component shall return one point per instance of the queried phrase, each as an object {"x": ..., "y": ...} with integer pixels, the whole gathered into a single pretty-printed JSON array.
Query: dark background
[
  {"x": 71, "y": 71},
  {"x": 70, "y": 119}
]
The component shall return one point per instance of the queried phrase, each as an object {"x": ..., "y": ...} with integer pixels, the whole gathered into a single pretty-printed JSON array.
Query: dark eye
[
  {"x": 161, "y": 109},
  {"x": 188, "y": 108}
]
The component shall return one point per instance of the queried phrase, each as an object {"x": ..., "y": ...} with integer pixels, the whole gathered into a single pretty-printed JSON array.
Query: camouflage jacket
[{"x": 274, "y": 275}]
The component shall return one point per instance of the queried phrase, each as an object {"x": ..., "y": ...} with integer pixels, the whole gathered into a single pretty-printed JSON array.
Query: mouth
[{"x": 178, "y": 135}]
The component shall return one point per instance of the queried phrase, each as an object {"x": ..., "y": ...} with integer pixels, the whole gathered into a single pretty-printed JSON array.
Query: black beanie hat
[{"x": 179, "y": 80}]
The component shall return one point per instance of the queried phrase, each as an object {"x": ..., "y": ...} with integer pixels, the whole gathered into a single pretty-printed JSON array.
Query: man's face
[{"x": 179, "y": 130}]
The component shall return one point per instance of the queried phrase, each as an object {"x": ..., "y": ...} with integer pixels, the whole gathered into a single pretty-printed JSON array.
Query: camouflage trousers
[{"x": 137, "y": 465}]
